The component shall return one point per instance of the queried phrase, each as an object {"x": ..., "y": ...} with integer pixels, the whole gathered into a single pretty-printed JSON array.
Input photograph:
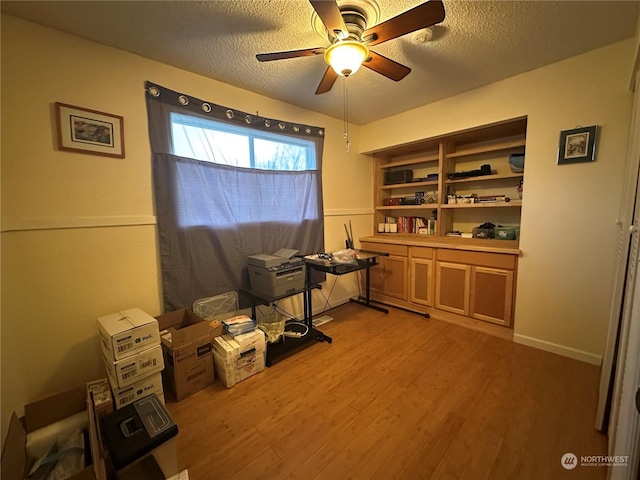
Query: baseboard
[
  {"x": 320, "y": 306},
  {"x": 558, "y": 349}
]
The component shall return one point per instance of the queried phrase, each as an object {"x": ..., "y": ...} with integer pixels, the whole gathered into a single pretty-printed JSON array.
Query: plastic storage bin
[{"x": 505, "y": 233}]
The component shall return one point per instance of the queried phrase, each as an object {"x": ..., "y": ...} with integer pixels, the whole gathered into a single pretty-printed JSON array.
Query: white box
[
  {"x": 246, "y": 341},
  {"x": 142, "y": 388},
  {"x": 233, "y": 364},
  {"x": 128, "y": 331},
  {"x": 223, "y": 349},
  {"x": 129, "y": 370}
]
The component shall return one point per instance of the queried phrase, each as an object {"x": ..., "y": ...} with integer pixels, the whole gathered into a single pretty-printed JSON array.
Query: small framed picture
[
  {"x": 89, "y": 131},
  {"x": 577, "y": 145}
]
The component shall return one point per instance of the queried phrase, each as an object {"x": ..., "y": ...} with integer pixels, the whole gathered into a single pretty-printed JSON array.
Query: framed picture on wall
[
  {"x": 577, "y": 145},
  {"x": 89, "y": 131}
]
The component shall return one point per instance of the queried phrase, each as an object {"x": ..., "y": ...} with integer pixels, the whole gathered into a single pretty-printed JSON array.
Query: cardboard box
[
  {"x": 233, "y": 363},
  {"x": 142, "y": 388},
  {"x": 126, "y": 332},
  {"x": 40, "y": 414},
  {"x": 164, "y": 458},
  {"x": 129, "y": 370},
  {"x": 186, "y": 346},
  {"x": 161, "y": 464},
  {"x": 99, "y": 396},
  {"x": 99, "y": 454}
]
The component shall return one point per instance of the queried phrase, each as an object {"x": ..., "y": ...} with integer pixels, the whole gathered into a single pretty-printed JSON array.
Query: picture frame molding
[
  {"x": 85, "y": 130},
  {"x": 578, "y": 145}
]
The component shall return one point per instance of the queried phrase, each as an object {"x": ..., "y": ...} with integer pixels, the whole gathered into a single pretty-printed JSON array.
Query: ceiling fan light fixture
[{"x": 345, "y": 57}]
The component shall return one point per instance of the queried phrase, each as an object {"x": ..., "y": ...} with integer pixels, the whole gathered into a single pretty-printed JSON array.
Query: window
[
  {"x": 264, "y": 188},
  {"x": 226, "y": 187},
  {"x": 218, "y": 142}
]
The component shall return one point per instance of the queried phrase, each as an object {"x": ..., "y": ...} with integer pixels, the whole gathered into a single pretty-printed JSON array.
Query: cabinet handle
[{"x": 633, "y": 229}]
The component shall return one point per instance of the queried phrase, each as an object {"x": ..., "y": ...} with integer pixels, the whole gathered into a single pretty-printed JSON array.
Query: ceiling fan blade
[
  {"x": 329, "y": 78},
  {"x": 385, "y": 66},
  {"x": 307, "y": 52},
  {"x": 422, "y": 16},
  {"x": 330, "y": 15}
]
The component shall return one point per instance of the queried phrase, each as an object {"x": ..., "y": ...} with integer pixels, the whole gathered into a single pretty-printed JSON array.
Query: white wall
[
  {"x": 78, "y": 231},
  {"x": 568, "y": 235}
]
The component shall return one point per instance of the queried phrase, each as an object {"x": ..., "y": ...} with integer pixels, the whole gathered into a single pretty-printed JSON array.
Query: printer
[{"x": 278, "y": 274}]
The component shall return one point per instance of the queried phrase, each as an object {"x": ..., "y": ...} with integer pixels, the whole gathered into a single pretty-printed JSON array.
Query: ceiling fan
[{"x": 350, "y": 39}]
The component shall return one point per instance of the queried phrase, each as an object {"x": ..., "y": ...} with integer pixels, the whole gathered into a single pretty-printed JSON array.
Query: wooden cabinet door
[
  {"x": 395, "y": 277},
  {"x": 376, "y": 276},
  {"x": 421, "y": 281},
  {"x": 492, "y": 295},
  {"x": 453, "y": 286}
]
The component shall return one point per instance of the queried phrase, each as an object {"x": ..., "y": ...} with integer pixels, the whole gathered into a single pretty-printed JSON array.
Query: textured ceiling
[{"x": 479, "y": 42}]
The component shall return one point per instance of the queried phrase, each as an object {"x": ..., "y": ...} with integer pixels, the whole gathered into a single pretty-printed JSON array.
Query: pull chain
[{"x": 345, "y": 113}]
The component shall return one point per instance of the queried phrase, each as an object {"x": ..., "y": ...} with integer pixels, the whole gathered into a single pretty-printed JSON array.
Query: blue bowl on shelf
[{"x": 516, "y": 162}]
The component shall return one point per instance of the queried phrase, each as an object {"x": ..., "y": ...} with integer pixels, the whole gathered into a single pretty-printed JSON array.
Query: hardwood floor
[{"x": 397, "y": 396}]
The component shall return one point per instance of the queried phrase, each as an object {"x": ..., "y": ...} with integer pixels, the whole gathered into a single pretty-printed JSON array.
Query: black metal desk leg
[
  {"x": 367, "y": 283},
  {"x": 307, "y": 308}
]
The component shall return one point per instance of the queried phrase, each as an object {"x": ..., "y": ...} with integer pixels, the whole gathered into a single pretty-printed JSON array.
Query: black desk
[
  {"x": 287, "y": 346},
  {"x": 365, "y": 260}
]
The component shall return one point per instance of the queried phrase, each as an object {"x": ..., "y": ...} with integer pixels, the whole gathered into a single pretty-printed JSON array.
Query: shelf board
[
  {"x": 430, "y": 206},
  {"x": 405, "y": 185},
  {"x": 485, "y": 178},
  {"x": 511, "y": 204},
  {"x": 414, "y": 161},
  {"x": 496, "y": 147},
  {"x": 424, "y": 206}
]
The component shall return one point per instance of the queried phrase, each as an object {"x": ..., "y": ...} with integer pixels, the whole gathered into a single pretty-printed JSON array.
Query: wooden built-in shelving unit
[{"x": 456, "y": 152}]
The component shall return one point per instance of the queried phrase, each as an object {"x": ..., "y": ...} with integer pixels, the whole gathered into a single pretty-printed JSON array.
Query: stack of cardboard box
[
  {"x": 132, "y": 355},
  {"x": 239, "y": 357}
]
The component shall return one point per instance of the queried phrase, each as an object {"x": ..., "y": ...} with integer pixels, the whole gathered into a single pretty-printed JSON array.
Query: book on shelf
[
  {"x": 492, "y": 199},
  {"x": 411, "y": 224}
]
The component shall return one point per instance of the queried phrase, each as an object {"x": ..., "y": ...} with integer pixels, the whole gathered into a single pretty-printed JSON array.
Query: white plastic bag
[{"x": 347, "y": 255}]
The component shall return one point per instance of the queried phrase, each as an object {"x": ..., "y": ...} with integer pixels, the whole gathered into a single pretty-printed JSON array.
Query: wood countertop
[{"x": 510, "y": 247}]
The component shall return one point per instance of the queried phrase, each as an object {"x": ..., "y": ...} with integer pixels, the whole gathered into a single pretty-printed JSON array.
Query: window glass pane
[
  {"x": 210, "y": 145},
  {"x": 276, "y": 155}
]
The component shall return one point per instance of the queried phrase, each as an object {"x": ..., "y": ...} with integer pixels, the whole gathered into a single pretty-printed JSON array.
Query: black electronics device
[
  {"x": 432, "y": 177},
  {"x": 398, "y": 176},
  {"x": 136, "y": 429},
  {"x": 484, "y": 170}
]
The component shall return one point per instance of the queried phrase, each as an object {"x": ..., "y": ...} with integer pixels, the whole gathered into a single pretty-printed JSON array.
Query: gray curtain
[{"x": 211, "y": 216}]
